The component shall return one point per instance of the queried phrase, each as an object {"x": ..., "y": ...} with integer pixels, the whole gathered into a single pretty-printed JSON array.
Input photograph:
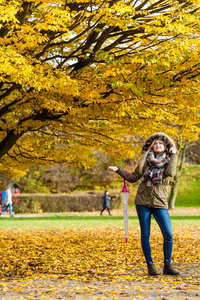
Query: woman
[
  {"x": 8, "y": 201},
  {"x": 157, "y": 165},
  {"x": 106, "y": 203}
]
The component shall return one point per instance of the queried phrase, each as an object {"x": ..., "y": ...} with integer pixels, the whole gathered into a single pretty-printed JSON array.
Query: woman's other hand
[{"x": 113, "y": 168}]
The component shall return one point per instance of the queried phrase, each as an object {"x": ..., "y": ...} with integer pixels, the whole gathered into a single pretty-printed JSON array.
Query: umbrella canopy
[{"x": 125, "y": 194}]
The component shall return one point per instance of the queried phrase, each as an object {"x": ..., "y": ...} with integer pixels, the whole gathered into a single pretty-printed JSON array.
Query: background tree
[
  {"x": 77, "y": 76},
  {"x": 193, "y": 153},
  {"x": 33, "y": 182},
  {"x": 174, "y": 188},
  {"x": 189, "y": 152},
  {"x": 62, "y": 178}
]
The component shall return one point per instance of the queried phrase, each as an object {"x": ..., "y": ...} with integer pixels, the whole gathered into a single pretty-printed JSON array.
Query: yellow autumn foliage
[
  {"x": 77, "y": 75},
  {"x": 90, "y": 253}
]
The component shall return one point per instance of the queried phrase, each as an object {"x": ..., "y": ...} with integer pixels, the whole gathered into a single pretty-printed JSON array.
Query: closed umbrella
[{"x": 125, "y": 194}]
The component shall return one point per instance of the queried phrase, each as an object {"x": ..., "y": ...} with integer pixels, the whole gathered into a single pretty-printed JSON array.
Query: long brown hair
[{"x": 144, "y": 156}]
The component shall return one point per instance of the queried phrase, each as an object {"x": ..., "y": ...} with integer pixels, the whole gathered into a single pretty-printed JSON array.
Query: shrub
[{"x": 36, "y": 203}]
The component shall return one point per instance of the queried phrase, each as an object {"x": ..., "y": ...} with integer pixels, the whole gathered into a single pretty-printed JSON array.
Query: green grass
[
  {"x": 189, "y": 187},
  {"x": 86, "y": 221},
  {"x": 67, "y": 222}
]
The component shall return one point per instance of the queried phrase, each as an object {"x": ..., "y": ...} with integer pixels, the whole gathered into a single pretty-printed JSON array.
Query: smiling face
[{"x": 158, "y": 147}]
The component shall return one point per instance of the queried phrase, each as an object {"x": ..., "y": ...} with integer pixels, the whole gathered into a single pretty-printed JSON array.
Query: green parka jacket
[{"x": 157, "y": 194}]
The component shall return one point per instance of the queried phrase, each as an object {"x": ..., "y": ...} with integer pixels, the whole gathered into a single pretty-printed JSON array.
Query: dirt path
[
  {"x": 188, "y": 211},
  {"x": 138, "y": 286}
]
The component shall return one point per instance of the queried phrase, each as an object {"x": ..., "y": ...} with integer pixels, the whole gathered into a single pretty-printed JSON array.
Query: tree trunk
[
  {"x": 173, "y": 194},
  {"x": 181, "y": 160},
  {"x": 9, "y": 141}
]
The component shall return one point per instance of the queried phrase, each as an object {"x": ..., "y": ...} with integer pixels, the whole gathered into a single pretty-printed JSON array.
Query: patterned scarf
[{"x": 154, "y": 172}]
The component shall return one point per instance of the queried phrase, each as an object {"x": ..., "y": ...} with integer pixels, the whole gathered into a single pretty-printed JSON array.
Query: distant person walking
[
  {"x": 8, "y": 201},
  {"x": 106, "y": 203},
  {"x": 15, "y": 199}
]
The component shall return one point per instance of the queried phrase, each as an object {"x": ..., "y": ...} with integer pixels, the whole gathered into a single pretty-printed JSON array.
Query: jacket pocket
[
  {"x": 161, "y": 192},
  {"x": 141, "y": 188}
]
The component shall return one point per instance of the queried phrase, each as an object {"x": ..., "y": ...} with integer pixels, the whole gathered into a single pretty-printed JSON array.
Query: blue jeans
[
  {"x": 162, "y": 217},
  {"x": 9, "y": 206}
]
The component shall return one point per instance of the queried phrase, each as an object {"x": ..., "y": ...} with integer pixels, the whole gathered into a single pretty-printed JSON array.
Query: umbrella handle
[
  {"x": 125, "y": 181},
  {"x": 124, "y": 187},
  {"x": 127, "y": 173}
]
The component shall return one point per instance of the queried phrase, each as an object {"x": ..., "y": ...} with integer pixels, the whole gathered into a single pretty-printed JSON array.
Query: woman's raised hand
[
  {"x": 172, "y": 150},
  {"x": 113, "y": 168}
]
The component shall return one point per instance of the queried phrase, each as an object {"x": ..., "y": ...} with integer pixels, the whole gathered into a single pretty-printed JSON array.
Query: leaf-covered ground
[{"x": 95, "y": 263}]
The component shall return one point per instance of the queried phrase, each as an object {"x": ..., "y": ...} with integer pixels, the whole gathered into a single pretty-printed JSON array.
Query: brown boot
[
  {"x": 152, "y": 270},
  {"x": 168, "y": 270}
]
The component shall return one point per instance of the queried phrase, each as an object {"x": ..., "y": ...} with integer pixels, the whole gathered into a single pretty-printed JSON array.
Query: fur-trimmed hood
[{"x": 159, "y": 136}]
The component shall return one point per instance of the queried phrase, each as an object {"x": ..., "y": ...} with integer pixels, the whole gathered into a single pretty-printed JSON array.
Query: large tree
[{"x": 78, "y": 75}]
